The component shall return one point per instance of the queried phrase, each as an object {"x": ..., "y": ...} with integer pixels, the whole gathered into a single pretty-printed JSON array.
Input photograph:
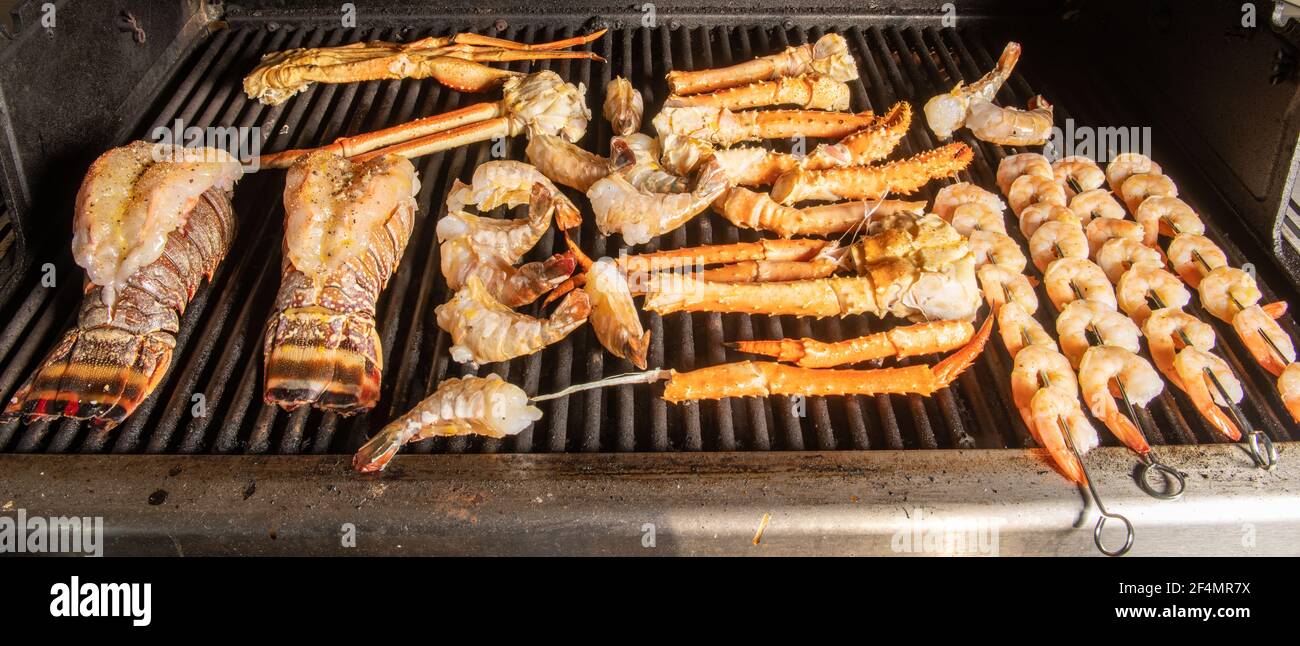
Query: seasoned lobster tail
[
  {"x": 113, "y": 359},
  {"x": 331, "y": 360}
]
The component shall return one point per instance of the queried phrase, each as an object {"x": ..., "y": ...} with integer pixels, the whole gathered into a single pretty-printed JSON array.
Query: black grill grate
[{"x": 219, "y": 352}]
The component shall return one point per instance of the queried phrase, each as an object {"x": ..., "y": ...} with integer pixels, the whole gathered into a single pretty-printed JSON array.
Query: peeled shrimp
[
  {"x": 483, "y": 330},
  {"x": 640, "y": 215},
  {"x": 1097, "y": 203},
  {"x": 1011, "y": 168},
  {"x": 1080, "y": 320},
  {"x": 948, "y": 112},
  {"x": 968, "y": 218},
  {"x": 1143, "y": 281},
  {"x": 1289, "y": 385},
  {"x": 1011, "y": 126},
  {"x": 1102, "y": 230},
  {"x": 1035, "y": 215},
  {"x": 1107, "y": 372},
  {"x": 1126, "y": 165},
  {"x": 954, "y": 195},
  {"x": 997, "y": 248},
  {"x": 1031, "y": 189},
  {"x": 1168, "y": 215},
  {"x": 1264, "y": 338},
  {"x": 1138, "y": 188},
  {"x": 1226, "y": 290},
  {"x": 1193, "y": 256},
  {"x": 613, "y": 314},
  {"x": 1000, "y": 284},
  {"x": 1055, "y": 240},
  {"x": 1058, "y": 418},
  {"x": 1166, "y": 330},
  {"x": 1036, "y": 366},
  {"x": 1191, "y": 364},
  {"x": 1117, "y": 255},
  {"x": 1019, "y": 329},
  {"x": 1071, "y": 279},
  {"x": 1077, "y": 174}
]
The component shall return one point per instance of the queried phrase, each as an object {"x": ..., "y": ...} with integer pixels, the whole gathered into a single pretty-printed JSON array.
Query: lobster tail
[{"x": 331, "y": 360}]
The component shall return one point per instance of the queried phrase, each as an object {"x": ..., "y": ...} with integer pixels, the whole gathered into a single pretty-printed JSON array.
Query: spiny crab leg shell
[
  {"x": 900, "y": 342},
  {"x": 872, "y": 182},
  {"x": 810, "y": 91},
  {"x": 429, "y": 144},
  {"x": 829, "y": 56}
]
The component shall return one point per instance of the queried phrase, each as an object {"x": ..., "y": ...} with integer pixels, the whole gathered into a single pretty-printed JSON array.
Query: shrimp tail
[
  {"x": 375, "y": 454},
  {"x": 1275, "y": 310},
  {"x": 1126, "y": 431},
  {"x": 531, "y": 280}
]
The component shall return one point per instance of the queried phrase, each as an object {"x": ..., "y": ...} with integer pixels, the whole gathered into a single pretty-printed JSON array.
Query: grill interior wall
[{"x": 219, "y": 346}]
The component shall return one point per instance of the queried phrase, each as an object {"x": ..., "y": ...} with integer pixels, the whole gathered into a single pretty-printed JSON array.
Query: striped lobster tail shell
[
  {"x": 112, "y": 360},
  {"x": 321, "y": 346}
]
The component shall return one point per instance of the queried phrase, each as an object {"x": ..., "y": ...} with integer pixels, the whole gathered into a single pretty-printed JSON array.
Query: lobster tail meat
[
  {"x": 152, "y": 223},
  {"x": 346, "y": 227}
]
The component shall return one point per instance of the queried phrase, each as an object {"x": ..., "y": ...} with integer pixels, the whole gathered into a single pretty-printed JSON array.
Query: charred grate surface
[{"x": 219, "y": 353}]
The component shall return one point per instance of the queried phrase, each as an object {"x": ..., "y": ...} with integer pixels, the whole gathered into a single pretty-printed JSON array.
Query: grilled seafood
[
  {"x": 455, "y": 61},
  {"x": 948, "y": 113},
  {"x": 1267, "y": 341},
  {"x": 488, "y": 248},
  {"x": 723, "y": 127},
  {"x": 613, "y": 315},
  {"x": 829, "y": 56},
  {"x": 901, "y": 342},
  {"x": 954, "y": 195},
  {"x": 1107, "y": 372},
  {"x": 1034, "y": 366},
  {"x": 1083, "y": 324},
  {"x": 639, "y": 215},
  {"x": 1145, "y": 283},
  {"x": 484, "y": 331},
  {"x": 1097, "y": 203},
  {"x": 1289, "y": 385},
  {"x": 808, "y": 91},
  {"x": 151, "y": 222},
  {"x": 750, "y": 210},
  {"x": 487, "y": 406},
  {"x": 1126, "y": 165},
  {"x": 968, "y": 218},
  {"x": 346, "y": 227},
  {"x": 1058, "y": 419},
  {"x": 1166, "y": 215},
  {"x": 682, "y": 155},
  {"x": 1117, "y": 255},
  {"x": 510, "y": 183},
  {"x": 1056, "y": 240},
  {"x": 566, "y": 163},
  {"x": 1194, "y": 255},
  {"x": 1071, "y": 279},
  {"x": 623, "y": 106},
  {"x": 759, "y": 166},
  {"x": 1195, "y": 367},
  {"x": 1137, "y": 188},
  {"x": 1169, "y": 329},
  {"x": 1001, "y": 285},
  {"x": 1226, "y": 290},
  {"x": 1013, "y": 167},
  {"x": 636, "y": 158},
  {"x": 762, "y": 379},
  {"x": 1077, "y": 174},
  {"x": 1103, "y": 230},
  {"x": 1033, "y": 189},
  {"x": 1011, "y": 126},
  {"x": 872, "y": 182},
  {"x": 1019, "y": 329},
  {"x": 536, "y": 104},
  {"x": 1039, "y": 213},
  {"x": 997, "y": 248}
]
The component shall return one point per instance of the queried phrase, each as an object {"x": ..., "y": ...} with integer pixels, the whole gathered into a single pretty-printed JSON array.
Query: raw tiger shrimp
[
  {"x": 614, "y": 316},
  {"x": 1055, "y": 240},
  {"x": 1227, "y": 290},
  {"x": 808, "y": 91},
  {"x": 488, "y": 406},
  {"x": 751, "y": 210},
  {"x": 485, "y": 331},
  {"x": 1077, "y": 174},
  {"x": 1138, "y": 188},
  {"x": 636, "y": 158},
  {"x": 1097, "y": 203},
  {"x": 1195, "y": 369},
  {"x": 1267, "y": 341},
  {"x": 509, "y": 183},
  {"x": 1126, "y": 165},
  {"x": 997, "y": 248},
  {"x": 1019, "y": 329},
  {"x": 1193, "y": 256},
  {"x": 1072, "y": 279},
  {"x": 1058, "y": 422},
  {"x": 900, "y": 342},
  {"x": 828, "y": 56},
  {"x": 1083, "y": 324},
  {"x": 623, "y": 106},
  {"x": 723, "y": 127},
  {"x": 488, "y": 248},
  {"x": 975, "y": 216},
  {"x": 902, "y": 177},
  {"x": 1002, "y": 285},
  {"x": 1011, "y": 126},
  {"x": 1146, "y": 284},
  {"x": 948, "y": 112},
  {"x": 1170, "y": 216},
  {"x": 1035, "y": 366},
  {"x": 1107, "y": 373},
  {"x": 640, "y": 215},
  {"x": 1037, "y": 214},
  {"x": 565, "y": 163},
  {"x": 1015, "y": 166},
  {"x": 1289, "y": 385},
  {"x": 954, "y": 195},
  {"x": 1168, "y": 330},
  {"x": 1031, "y": 189},
  {"x": 1117, "y": 255},
  {"x": 1103, "y": 230}
]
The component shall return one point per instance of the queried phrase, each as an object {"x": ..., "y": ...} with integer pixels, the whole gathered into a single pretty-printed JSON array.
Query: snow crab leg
[{"x": 829, "y": 56}]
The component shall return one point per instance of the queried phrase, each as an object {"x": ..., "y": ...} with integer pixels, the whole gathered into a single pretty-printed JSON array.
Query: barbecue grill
[{"x": 205, "y": 466}]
